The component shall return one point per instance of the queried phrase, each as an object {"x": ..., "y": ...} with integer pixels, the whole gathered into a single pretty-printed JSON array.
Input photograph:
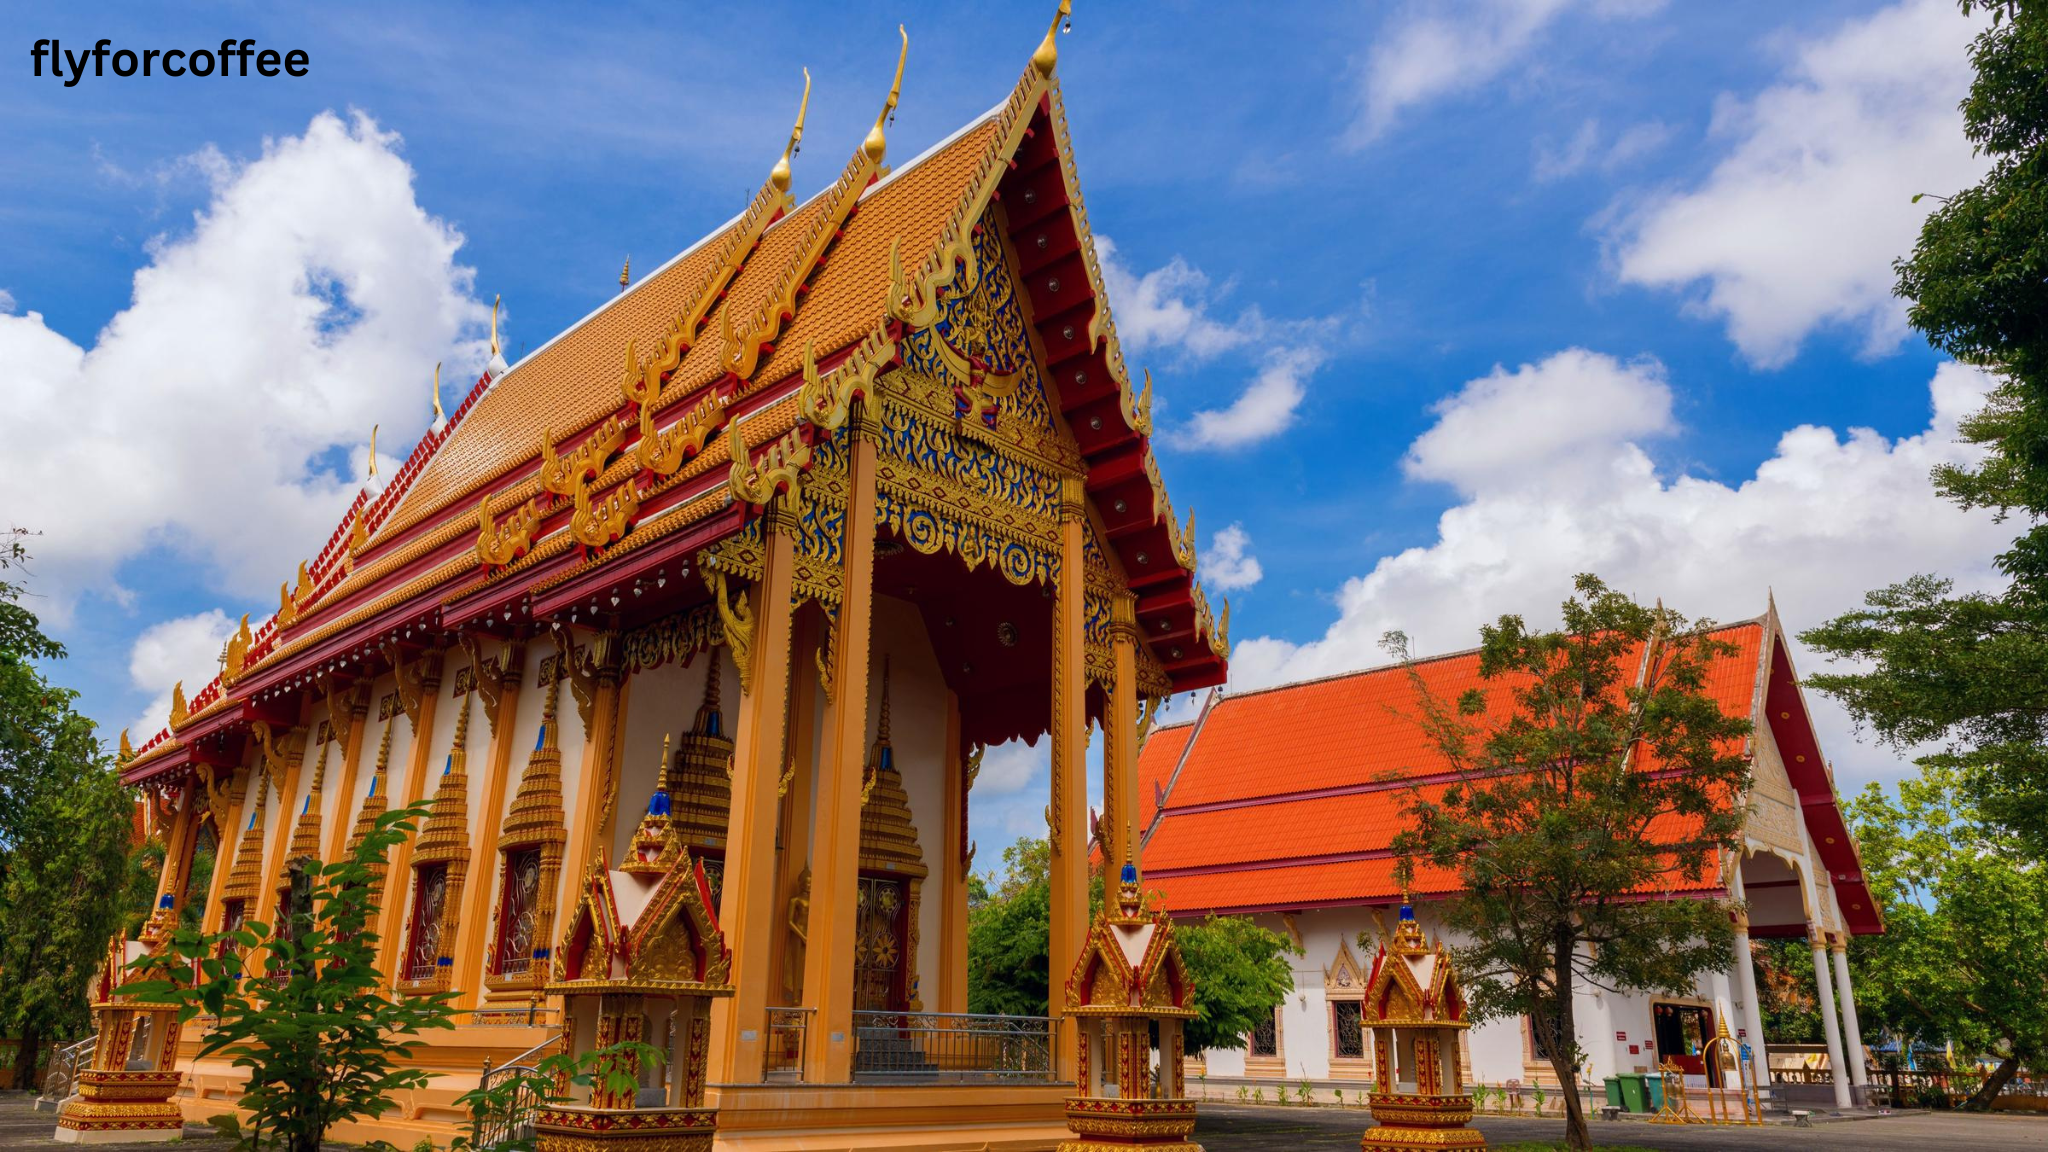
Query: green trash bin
[
  {"x": 1614, "y": 1092},
  {"x": 1629, "y": 1087},
  {"x": 1653, "y": 1091}
]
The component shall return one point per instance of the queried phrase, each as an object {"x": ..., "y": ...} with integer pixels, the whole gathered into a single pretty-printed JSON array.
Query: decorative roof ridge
[{"x": 1374, "y": 669}]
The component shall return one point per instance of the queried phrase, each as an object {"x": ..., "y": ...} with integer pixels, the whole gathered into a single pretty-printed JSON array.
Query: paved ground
[
  {"x": 1234, "y": 1128},
  {"x": 21, "y": 1126}
]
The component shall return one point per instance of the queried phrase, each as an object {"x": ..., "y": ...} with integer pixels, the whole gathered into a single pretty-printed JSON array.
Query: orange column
[
  {"x": 398, "y": 879},
  {"x": 598, "y": 784},
  {"x": 482, "y": 882},
  {"x": 1120, "y": 744},
  {"x": 953, "y": 870},
  {"x": 793, "y": 821},
  {"x": 1068, "y": 826},
  {"x": 227, "y": 837},
  {"x": 749, "y": 914},
  {"x": 835, "y": 852},
  {"x": 178, "y": 841}
]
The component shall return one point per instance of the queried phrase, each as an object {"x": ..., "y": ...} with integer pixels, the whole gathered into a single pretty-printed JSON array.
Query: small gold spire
[
  {"x": 625, "y": 273},
  {"x": 1048, "y": 53},
  {"x": 384, "y": 750},
  {"x": 877, "y": 143},
  {"x": 495, "y": 301},
  {"x": 439, "y": 416},
  {"x": 882, "y": 725},
  {"x": 373, "y": 451},
  {"x": 780, "y": 176},
  {"x": 462, "y": 719}
]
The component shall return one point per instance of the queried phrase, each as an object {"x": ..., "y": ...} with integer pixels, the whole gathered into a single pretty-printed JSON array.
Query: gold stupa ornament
[
  {"x": 305, "y": 843},
  {"x": 1415, "y": 1009},
  {"x": 245, "y": 880},
  {"x": 440, "y": 862},
  {"x": 374, "y": 803},
  {"x": 530, "y": 851},
  {"x": 655, "y": 844},
  {"x": 699, "y": 777}
]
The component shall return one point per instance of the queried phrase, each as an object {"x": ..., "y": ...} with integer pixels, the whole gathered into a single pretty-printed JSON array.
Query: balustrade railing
[
  {"x": 789, "y": 1031},
  {"x": 952, "y": 1048},
  {"x": 511, "y": 1120},
  {"x": 61, "y": 1079}
]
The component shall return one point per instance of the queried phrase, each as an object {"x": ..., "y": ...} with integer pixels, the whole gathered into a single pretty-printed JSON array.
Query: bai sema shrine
[{"x": 691, "y": 626}]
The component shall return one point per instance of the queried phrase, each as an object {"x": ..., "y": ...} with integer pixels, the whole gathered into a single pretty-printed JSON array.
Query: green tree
[
  {"x": 64, "y": 833},
  {"x": 1964, "y": 954},
  {"x": 1241, "y": 975},
  {"x": 321, "y": 1039},
  {"x": 1239, "y": 969},
  {"x": 1965, "y": 671},
  {"x": 1583, "y": 756}
]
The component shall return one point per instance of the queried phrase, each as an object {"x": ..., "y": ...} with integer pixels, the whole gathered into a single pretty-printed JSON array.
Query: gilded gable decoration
[
  {"x": 678, "y": 637},
  {"x": 236, "y": 654}
]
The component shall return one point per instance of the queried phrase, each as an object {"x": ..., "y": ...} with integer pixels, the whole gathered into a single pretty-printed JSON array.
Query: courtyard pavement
[{"x": 1235, "y": 1128}]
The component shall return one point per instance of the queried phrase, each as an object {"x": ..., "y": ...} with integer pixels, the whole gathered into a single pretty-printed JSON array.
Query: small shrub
[
  {"x": 1307, "y": 1093},
  {"x": 1259, "y": 1095},
  {"x": 426, "y": 1144},
  {"x": 1340, "y": 1096},
  {"x": 1540, "y": 1097},
  {"x": 1243, "y": 1093}
]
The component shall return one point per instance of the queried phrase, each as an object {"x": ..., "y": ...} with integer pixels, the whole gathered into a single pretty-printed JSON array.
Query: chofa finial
[
  {"x": 780, "y": 175},
  {"x": 877, "y": 142},
  {"x": 1048, "y": 53},
  {"x": 625, "y": 273}
]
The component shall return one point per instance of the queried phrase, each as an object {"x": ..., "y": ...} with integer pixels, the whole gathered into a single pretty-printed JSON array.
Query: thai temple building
[
  {"x": 1306, "y": 851},
  {"x": 691, "y": 627}
]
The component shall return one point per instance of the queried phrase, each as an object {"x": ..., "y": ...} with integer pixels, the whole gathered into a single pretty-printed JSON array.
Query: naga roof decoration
[{"x": 675, "y": 439}]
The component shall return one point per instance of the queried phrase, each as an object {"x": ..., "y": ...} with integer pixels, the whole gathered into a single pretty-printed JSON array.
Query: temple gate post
[
  {"x": 391, "y": 922},
  {"x": 835, "y": 854},
  {"x": 748, "y": 916},
  {"x": 1852, "y": 1029},
  {"x": 1067, "y": 815},
  {"x": 475, "y": 926},
  {"x": 793, "y": 813}
]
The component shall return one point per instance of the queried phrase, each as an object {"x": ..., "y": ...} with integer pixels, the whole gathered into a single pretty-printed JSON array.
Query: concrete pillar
[
  {"x": 1752, "y": 1009},
  {"x": 1120, "y": 742},
  {"x": 1852, "y": 1040},
  {"x": 1825, "y": 986}
]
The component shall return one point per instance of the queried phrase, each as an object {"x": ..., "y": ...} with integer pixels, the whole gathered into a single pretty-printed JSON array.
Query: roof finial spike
[
  {"x": 1048, "y": 53},
  {"x": 495, "y": 301},
  {"x": 440, "y": 417},
  {"x": 626, "y": 272},
  {"x": 780, "y": 176},
  {"x": 877, "y": 143},
  {"x": 373, "y": 451}
]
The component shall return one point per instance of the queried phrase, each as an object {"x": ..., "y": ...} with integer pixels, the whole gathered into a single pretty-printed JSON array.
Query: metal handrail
[
  {"x": 516, "y": 1121},
  {"x": 789, "y": 1031},
  {"x": 953, "y": 1048},
  {"x": 61, "y": 1081}
]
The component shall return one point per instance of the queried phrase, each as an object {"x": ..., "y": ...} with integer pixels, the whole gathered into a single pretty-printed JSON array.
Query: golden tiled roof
[{"x": 574, "y": 380}]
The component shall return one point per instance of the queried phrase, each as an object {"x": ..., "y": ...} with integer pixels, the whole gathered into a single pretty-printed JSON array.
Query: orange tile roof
[{"x": 1292, "y": 795}]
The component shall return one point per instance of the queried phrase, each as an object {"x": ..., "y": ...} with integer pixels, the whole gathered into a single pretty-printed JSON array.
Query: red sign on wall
[
  {"x": 1621, "y": 1037},
  {"x": 1635, "y": 1049}
]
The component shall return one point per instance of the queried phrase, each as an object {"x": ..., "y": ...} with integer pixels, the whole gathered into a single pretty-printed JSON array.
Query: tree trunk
[
  {"x": 25, "y": 1059},
  {"x": 1564, "y": 1047},
  {"x": 1980, "y": 1100}
]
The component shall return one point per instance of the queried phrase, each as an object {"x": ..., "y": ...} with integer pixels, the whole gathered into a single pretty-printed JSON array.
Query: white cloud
[
  {"x": 1587, "y": 149},
  {"x": 1168, "y": 308},
  {"x": 187, "y": 648},
  {"x": 1228, "y": 563},
  {"x": 1823, "y": 520},
  {"x": 1263, "y": 410},
  {"x": 1007, "y": 768},
  {"x": 1432, "y": 51},
  {"x": 6, "y": 302},
  {"x": 1798, "y": 224},
  {"x": 1540, "y": 418},
  {"x": 309, "y": 301}
]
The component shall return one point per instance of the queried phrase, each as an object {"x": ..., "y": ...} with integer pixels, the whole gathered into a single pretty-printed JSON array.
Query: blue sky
[{"x": 1444, "y": 302}]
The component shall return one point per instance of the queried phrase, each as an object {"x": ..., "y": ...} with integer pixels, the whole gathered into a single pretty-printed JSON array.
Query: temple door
[{"x": 881, "y": 934}]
